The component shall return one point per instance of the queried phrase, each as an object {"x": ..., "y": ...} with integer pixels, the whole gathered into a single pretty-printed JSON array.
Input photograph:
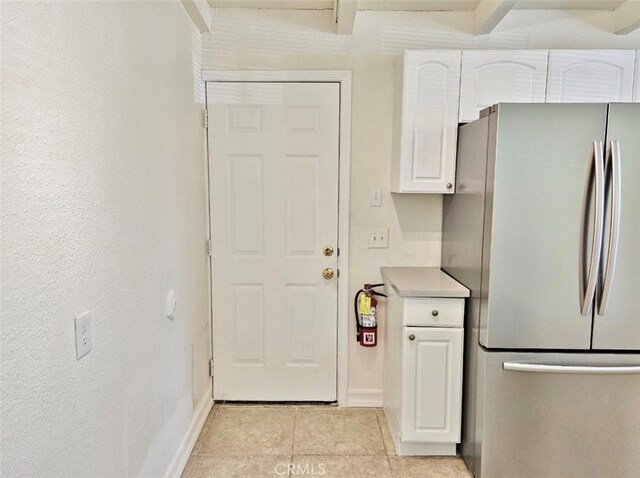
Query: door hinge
[
  {"x": 338, "y": 273},
  {"x": 209, "y": 251},
  {"x": 211, "y": 368},
  {"x": 205, "y": 118}
]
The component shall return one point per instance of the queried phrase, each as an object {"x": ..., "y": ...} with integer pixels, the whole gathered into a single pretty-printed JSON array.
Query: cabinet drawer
[{"x": 433, "y": 312}]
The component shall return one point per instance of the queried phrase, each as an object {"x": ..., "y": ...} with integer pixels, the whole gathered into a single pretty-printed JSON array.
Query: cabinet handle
[
  {"x": 412, "y": 337},
  {"x": 449, "y": 185},
  {"x": 434, "y": 313}
]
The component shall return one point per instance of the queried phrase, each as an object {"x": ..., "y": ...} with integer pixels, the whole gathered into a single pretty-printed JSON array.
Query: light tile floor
[{"x": 251, "y": 441}]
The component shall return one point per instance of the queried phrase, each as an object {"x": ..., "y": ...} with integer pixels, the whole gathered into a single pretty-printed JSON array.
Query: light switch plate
[
  {"x": 83, "y": 335},
  {"x": 379, "y": 238},
  {"x": 375, "y": 198}
]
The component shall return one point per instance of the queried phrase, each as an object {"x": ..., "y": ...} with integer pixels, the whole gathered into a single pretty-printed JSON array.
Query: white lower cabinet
[
  {"x": 432, "y": 384},
  {"x": 423, "y": 374}
]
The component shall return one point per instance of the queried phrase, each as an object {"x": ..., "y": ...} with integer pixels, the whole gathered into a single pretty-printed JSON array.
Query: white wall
[
  {"x": 103, "y": 209},
  {"x": 290, "y": 40}
]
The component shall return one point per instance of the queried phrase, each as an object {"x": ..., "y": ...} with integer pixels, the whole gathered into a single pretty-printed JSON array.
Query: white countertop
[{"x": 423, "y": 282}]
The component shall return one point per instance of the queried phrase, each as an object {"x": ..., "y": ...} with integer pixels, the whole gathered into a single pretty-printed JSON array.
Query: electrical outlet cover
[
  {"x": 379, "y": 238},
  {"x": 83, "y": 335}
]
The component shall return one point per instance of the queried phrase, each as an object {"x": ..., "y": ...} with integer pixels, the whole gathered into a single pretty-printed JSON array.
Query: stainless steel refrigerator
[{"x": 544, "y": 229}]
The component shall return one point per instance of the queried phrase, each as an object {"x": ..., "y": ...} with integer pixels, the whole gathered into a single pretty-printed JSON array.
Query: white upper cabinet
[
  {"x": 636, "y": 88},
  {"x": 426, "y": 122},
  {"x": 590, "y": 76},
  {"x": 494, "y": 76},
  {"x": 437, "y": 89}
]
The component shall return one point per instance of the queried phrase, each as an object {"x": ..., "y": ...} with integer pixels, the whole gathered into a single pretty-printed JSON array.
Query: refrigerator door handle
[
  {"x": 589, "y": 274},
  {"x": 574, "y": 369},
  {"x": 615, "y": 191}
]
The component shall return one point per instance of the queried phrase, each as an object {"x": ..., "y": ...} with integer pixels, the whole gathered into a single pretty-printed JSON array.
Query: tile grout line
[{"x": 293, "y": 438}]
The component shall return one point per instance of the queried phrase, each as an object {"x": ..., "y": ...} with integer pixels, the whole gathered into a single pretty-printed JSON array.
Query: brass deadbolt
[{"x": 327, "y": 251}]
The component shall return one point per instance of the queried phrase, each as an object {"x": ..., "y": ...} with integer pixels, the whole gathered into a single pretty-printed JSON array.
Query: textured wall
[
  {"x": 103, "y": 209},
  {"x": 290, "y": 40}
]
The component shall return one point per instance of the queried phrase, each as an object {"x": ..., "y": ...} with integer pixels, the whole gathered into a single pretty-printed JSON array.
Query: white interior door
[{"x": 273, "y": 153}]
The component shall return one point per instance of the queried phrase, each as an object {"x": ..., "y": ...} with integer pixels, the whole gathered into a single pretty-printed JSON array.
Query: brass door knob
[
  {"x": 327, "y": 251},
  {"x": 327, "y": 273}
]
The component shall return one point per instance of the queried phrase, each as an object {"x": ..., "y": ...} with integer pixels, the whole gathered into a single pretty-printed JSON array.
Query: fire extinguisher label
[
  {"x": 369, "y": 338},
  {"x": 368, "y": 320},
  {"x": 365, "y": 304}
]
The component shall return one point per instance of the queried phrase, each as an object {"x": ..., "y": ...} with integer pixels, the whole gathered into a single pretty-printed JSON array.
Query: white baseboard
[
  {"x": 188, "y": 442},
  {"x": 364, "y": 397}
]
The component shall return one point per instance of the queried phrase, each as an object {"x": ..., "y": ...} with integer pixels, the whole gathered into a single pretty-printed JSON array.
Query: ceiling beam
[
  {"x": 274, "y": 4},
  {"x": 627, "y": 17},
  {"x": 345, "y": 15},
  {"x": 488, "y": 13},
  {"x": 200, "y": 13}
]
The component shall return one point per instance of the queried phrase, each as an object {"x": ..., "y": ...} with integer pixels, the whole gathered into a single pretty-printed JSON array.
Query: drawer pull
[
  {"x": 434, "y": 313},
  {"x": 412, "y": 337}
]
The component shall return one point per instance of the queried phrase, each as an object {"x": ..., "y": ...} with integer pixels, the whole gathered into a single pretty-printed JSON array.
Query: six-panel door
[
  {"x": 274, "y": 207},
  {"x": 501, "y": 76},
  {"x": 432, "y": 384}
]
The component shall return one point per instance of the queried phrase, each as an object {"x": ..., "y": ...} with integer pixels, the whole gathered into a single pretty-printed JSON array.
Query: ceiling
[
  {"x": 487, "y": 14},
  {"x": 280, "y": 4},
  {"x": 419, "y": 5}
]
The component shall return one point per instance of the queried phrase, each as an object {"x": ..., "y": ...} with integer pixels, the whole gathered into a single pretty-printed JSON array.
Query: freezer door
[
  {"x": 559, "y": 415},
  {"x": 617, "y": 321},
  {"x": 536, "y": 181}
]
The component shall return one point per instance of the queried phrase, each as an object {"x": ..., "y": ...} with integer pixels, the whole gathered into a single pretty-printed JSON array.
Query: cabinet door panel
[
  {"x": 494, "y": 76},
  {"x": 432, "y": 385},
  {"x": 590, "y": 76},
  {"x": 429, "y": 126}
]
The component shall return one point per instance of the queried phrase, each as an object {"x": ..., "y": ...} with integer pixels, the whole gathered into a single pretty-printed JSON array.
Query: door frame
[{"x": 343, "y": 78}]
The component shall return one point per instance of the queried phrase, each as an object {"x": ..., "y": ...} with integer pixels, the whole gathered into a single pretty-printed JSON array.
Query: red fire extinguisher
[{"x": 366, "y": 306}]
